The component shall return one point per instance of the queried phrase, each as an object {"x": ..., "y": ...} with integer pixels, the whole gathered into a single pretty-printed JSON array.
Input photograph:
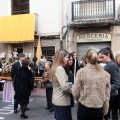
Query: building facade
[
  {"x": 93, "y": 24},
  {"x": 69, "y": 24},
  {"x": 47, "y": 25}
]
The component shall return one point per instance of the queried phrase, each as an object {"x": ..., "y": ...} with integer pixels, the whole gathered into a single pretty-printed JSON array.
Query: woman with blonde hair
[
  {"x": 92, "y": 89},
  {"x": 61, "y": 88}
]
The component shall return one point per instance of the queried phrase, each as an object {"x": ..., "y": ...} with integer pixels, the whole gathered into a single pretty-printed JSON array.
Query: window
[
  {"x": 20, "y": 7},
  {"x": 47, "y": 51}
]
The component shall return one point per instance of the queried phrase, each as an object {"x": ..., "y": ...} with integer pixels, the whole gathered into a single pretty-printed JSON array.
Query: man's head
[{"x": 22, "y": 56}]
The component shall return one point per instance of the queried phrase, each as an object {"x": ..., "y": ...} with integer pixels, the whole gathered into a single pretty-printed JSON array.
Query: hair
[
  {"x": 58, "y": 61},
  {"x": 72, "y": 53},
  {"x": 83, "y": 62},
  {"x": 92, "y": 57},
  {"x": 67, "y": 67},
  {"x": 107, "y": 51},
  {"x": 34, "y": 59},
  {"x": 25, "y": 63},
  {"x": 49, "y": 63},
  {"x": 22, "y": 55},
  {"x": 117, "y": 56},
  {"x": 42, "y": 56}
]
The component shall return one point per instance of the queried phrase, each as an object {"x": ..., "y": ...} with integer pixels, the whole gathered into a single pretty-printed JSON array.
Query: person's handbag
[
  {"x": 49, "y": 85},
  {"x": 72, "y": 100}
]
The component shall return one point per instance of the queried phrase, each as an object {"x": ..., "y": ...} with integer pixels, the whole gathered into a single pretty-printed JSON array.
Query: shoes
[
  {"x": 27, "y": 108},
  {"x": 51, "y": 110},
  {"x": 15, "y": 111},
  {"x": 47, "y": 108},
  {"x": 24, "y": 116},
  {"x": 35, "y": 86}
]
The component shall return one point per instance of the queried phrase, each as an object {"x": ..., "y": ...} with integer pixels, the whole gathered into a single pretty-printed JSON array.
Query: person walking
[
  {"x": 92, "y": 89},
  {"x": 107, "y": 57},
  {"x": 16, "y": 66},
  {"x": 61, "y": 88},
  {"x": 49, "y": 87},
  {"x": 23, "y": 82}
]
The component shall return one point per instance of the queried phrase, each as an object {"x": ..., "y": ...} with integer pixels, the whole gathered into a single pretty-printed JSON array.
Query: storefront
[
  {"x": 84, "y": 38},
  {"x": 94, "y": 41}
]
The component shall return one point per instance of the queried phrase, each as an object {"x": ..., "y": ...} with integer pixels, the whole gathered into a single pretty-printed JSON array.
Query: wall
[
  {"x": 73, "y": 33},
  {"x": 5, "y": 7},
  {"x": 48, "y": 16},
  {"x": 115, "y": 39}
]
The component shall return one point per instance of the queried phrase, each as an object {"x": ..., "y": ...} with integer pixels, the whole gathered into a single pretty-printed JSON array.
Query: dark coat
[
  {"x": 14, "y": 69},
  {"x": 113, "y": 70},
  {"x": 23, "y": 84}
]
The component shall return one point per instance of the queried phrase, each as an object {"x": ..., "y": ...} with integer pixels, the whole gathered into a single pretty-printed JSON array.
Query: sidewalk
[{"x": 38, "y": 92}]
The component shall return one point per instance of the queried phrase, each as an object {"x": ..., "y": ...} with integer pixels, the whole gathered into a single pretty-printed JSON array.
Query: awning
[{"x": 17, "y": 28}]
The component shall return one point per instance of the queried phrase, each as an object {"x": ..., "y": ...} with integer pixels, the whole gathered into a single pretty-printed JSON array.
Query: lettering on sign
[{"x": 94, "y": 37}]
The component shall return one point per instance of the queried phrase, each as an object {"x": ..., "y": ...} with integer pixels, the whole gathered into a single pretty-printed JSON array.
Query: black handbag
[
  {"x": 72, "y": 100},
  {"x": 49, "y": 85}
]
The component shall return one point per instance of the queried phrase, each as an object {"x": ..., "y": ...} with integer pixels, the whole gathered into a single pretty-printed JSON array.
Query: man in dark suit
[{"x": 17, "y": 65}]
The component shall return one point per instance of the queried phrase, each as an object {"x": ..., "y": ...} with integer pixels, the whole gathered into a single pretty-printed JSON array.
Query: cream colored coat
[
  {"x": 61, "y": 90},
  {"x": 92, "y": 87}
]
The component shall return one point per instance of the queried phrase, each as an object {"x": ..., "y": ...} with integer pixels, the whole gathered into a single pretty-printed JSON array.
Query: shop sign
[{"x": 94, "y": 37}]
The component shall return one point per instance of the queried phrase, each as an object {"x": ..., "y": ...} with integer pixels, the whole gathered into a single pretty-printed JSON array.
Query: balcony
[{"x": 93, "y": 11}]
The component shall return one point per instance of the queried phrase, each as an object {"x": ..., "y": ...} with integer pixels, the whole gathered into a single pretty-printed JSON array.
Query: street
[{"x": 37, "y": 108}]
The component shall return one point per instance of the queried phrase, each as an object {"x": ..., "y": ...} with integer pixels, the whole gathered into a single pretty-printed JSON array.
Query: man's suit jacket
[
  {"x": 113, "y": 70},
  {"x": 14, "y": 69}
]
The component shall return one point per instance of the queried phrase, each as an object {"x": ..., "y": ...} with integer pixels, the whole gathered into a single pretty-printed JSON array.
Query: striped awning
[{"x": 17, "y": 28}]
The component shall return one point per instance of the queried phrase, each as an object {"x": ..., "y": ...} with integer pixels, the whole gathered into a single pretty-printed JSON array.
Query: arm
[
  {"x": 62, "y": 79},
  {"x": 115, "y": 77},
  {"x": 77, "y": 85},
  {"x": 45, "y": 78},
  {"x": 107, "y": 94}
]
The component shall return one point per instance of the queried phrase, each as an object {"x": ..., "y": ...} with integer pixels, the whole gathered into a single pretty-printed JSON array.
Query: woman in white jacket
[{"x": 61, "y": 89}]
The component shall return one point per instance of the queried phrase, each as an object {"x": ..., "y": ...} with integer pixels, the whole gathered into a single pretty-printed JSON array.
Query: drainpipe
[
  {"x": 66, "y": 22},
  {"x": 61, "y": 23}
]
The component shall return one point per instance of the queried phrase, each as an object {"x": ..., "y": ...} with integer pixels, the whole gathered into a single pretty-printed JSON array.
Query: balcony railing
[{"x": 92, "y": 9}]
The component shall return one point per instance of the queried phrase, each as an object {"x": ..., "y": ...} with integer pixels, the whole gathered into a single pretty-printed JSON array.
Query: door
[{"x": 83, "y": 47}]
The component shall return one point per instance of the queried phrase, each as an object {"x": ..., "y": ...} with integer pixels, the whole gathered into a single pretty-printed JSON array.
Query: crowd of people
[{"x": 94, "y": 83}]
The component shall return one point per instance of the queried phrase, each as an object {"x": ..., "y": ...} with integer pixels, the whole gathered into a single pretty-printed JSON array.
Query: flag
[{"x": 39, "y": 51}]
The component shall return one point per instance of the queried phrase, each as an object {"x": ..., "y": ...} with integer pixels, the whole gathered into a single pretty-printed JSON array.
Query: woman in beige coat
[
  {"x": 61, "y": 89},
  {"x": 92, "y": 89}
]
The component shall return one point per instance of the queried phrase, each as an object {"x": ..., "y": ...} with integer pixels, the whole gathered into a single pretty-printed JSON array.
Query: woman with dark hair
[
  {"x": 92, "y": 89},
  {"x": 34, "y": 69},
  {"x": 34, "y": 66},
  {"x": 107, "y": 57},
  {"x": 23, "y": 82},
  {"x": 68, "y": 68}
]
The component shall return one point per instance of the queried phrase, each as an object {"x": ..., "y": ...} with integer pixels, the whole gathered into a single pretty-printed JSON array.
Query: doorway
[{"x": 19, "y": 48}]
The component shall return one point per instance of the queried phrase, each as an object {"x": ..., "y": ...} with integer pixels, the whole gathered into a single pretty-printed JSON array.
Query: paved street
[{"x": 37, "y": 108}]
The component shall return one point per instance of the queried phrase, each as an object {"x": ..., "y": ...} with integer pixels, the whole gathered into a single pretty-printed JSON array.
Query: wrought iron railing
[{"x": 92, "y": 9}]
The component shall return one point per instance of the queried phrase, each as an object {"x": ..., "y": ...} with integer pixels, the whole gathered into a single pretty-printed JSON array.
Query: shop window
[{"x": 20, "y": 7}]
